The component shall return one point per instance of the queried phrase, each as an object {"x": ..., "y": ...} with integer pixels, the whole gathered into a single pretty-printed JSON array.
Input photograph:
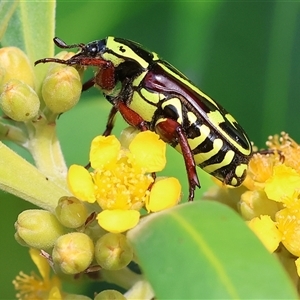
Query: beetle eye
[{"x": 94, "y": 51}]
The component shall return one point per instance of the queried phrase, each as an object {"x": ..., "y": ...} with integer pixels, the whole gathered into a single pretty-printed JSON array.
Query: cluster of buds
[{"x": 20, "y": 98}]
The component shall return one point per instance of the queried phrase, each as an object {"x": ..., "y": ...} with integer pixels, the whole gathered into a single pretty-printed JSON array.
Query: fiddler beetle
[{"x": 152, "y": 95}]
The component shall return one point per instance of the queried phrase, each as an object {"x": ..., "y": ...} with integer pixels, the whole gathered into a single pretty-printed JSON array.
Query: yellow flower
[
  {"x": 266, "y": 231},
  {"x": 121, "y": 182},
  {"x": 35, "y": 287},
  {"x": 270, "y": 198}
]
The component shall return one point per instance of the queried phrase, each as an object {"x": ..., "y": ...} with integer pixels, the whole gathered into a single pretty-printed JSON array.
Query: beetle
[{"x": 152, "y": 95}]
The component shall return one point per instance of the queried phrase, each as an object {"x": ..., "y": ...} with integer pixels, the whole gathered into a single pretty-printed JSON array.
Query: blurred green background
[{"x": 245, "y": 55}]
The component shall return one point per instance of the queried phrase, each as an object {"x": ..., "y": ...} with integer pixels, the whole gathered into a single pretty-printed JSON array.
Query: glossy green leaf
[
  {"x": 203, "y": 250},
  {"x": 31, "y": 28}
]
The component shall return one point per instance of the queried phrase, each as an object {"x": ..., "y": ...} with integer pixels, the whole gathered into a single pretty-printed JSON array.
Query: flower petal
[
  {"x": 149, "y": 151},
  {"x": 266, "y": 231},
  {"x": 117, "y": 220},
  {"x": 104, "y": 151},
  {"x": 164, "y": 193},
  {"x": 283, "y": 183},
  {"x": 41, "y": 263},
  {"x": 81, "y": 184}
]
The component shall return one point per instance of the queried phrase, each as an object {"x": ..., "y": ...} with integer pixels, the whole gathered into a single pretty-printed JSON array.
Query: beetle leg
[
  {"x": 131, "y": 117},
  {"x": 111, "y": 121},
  {"x": 168, "y": 129},
  {"x": 135, "y": 120},
  {"x": 88, "y": 84}
]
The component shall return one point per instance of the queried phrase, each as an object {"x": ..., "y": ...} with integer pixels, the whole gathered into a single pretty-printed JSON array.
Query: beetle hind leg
[{"x": 168, "y": 129}]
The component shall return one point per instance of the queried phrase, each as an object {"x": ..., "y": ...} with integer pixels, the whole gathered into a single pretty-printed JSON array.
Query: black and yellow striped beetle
[{"x": 152, "y": 95}]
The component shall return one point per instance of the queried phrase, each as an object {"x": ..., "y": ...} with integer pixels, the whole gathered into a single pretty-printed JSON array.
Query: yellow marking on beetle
[
  {"x": 201, "y": 157},
  {"x": 195, "y": 142},
  {"x": 113, "y": 58},
  {"x": 240, "y": 169},
  {"x": 136, "y": 82},
  {"x": 175, "y": 102},
  {"x": 124, "y": 51},
  {"x": 231, "y": 119},
  {"x": 144, "y": 109},
  {"x": 225, "y": 162},
  {"x": 233, "y": 182},
  {"x": 191, "y": 117},
  {"x": 155, "y": 56},
  {"x": 150, "y": 96},
  {"x": 216, "y": 116}
]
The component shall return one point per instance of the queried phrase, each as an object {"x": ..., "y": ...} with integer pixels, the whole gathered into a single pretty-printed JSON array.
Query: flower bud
[
  {"x": 61, "y": 88},
  {"x": 38, "y": 228},
  {"x": 73, "y": 252},
  {"x": 109, "y": 295},
  {"x": 14, "y": 64},
  {"x": 71, "y": 212},
  {"x": 19, "y": 101},
  {"x": 20, "y": 240},
  {"x": 255, "y": 203},
  {"x": 113, "y": 251}
]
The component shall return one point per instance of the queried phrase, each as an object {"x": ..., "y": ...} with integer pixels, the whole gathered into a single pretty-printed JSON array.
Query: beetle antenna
[{"x": 61, "y": 44}]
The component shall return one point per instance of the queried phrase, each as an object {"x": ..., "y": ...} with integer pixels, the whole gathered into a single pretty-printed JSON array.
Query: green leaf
[
  {"x": 204, "y": 250},
  {"x": 31, "y": 28}
]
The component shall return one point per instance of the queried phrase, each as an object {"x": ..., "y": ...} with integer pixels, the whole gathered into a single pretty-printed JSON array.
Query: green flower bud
[
  {"x": 14, "y": 64},
  {"x": 19, "y": 101},
  {"x": 38, "y": 228},
  {"x": 73, "y": 252},
  {"x": 71, "y": 212},
  {"x": 61, "y": 89},
  {"x": 113, "y": 252},
  {"x": 109, "y": 295},
  {"x": 20, "y": 240}
]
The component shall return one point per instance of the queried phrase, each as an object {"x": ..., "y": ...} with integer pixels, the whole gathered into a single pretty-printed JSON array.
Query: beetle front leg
[
  {"x": 88, "y": 84},
  {"x": 131, "y": 117},
  {"x": 111, "y": 121},
  {"x": 169, "y": 129}
]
